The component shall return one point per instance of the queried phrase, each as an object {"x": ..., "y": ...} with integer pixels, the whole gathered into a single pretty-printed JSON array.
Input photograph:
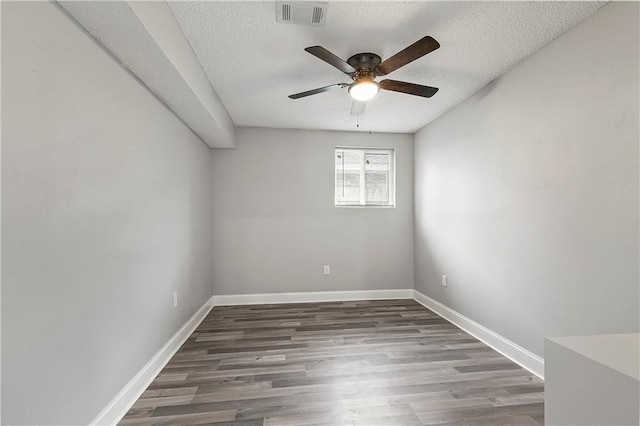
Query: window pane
[
  {"x": 376, "y": 178},
  {"x": 348, "y": 177}
]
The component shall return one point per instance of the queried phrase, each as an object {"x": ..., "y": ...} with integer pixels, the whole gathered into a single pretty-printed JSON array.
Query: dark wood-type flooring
[{"x": 385, "y": 362}]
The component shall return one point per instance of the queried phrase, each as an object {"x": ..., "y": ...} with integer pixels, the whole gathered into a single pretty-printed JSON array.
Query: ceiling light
[{"x": 363, "y": 90}]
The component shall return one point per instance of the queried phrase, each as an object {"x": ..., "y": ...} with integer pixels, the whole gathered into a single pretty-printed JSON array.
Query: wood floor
[{"x": 386, "y": 362}]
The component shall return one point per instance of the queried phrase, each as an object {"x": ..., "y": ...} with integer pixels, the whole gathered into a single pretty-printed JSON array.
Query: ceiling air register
[{"x": 301, "y": 12}]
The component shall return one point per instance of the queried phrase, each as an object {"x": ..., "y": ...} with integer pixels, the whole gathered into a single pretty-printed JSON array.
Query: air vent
[
  {"x": 317, "y": 16},
  {"x": 301, "y": 12}
]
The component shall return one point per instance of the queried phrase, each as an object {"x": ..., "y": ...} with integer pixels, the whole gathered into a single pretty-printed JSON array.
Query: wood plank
[{"x": 360, "y": 363}]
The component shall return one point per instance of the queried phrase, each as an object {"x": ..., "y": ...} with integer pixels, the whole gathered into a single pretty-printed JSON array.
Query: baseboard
[
  {"x": 123, "y": 401},
  {"x": 314, "y": 296},
  {"x": 506, "y": 347}
]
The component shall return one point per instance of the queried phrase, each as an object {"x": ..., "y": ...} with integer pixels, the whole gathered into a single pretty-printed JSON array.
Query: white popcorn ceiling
[{"x": 254, "y": 63}]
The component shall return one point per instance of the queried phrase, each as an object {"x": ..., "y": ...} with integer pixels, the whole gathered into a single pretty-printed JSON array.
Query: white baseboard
[
  {"x": 313, "y": 296},
  {"x": 123, "y": 401},
  {"x": 514, "y": 352}
]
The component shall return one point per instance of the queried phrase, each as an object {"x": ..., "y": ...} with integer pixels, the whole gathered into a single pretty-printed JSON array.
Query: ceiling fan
[{"x": 363, "y": 68}]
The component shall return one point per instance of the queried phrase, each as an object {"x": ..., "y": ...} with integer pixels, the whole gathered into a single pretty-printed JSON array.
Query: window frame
[{"x": 392, "y": 177}]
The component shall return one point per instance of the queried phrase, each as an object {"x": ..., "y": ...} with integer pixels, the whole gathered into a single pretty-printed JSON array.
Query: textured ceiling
[{"x": 254, "y": 63}]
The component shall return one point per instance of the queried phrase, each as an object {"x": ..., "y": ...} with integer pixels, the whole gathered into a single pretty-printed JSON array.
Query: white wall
[
  {"x": 527, "y": 192},
  {"x": 106, "y": 204},
  {"x": 275, "y": 224}
]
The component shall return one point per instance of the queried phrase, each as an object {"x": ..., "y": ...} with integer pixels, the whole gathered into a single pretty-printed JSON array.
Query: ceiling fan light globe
[{"x": 363, "y": 91}]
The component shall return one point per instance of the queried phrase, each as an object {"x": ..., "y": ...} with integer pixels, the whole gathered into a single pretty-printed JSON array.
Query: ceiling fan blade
[
  {"x": 358, "y": 107},
  {"x": 318, "y": 90},
  {"x": 408, "y": 88},
  {"x": 408, "y": 54},
  {"x": 331, "y": 59}
]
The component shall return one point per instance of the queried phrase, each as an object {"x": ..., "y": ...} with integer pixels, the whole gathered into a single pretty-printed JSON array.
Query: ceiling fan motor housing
[{"x": 365, "y": 62}]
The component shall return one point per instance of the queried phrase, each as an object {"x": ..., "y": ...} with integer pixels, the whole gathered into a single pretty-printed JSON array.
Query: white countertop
[{"x": 620, "y": 352}]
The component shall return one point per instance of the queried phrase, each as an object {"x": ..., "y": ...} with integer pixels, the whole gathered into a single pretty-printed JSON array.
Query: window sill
[{"x": 358, "y": 206}]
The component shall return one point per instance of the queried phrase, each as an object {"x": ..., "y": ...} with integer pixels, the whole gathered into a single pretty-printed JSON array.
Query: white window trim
[{"x": 392, "y": 178}]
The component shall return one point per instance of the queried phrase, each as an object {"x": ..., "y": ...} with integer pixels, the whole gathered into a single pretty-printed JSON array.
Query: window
[{"x": 365, "y": 177}]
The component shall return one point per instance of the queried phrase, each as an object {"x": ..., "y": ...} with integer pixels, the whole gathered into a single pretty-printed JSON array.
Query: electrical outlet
[
  {"x": 444, "y": 281},
  {"x": 327, "y": 269},
  {"x": 175, "y": 299}
]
